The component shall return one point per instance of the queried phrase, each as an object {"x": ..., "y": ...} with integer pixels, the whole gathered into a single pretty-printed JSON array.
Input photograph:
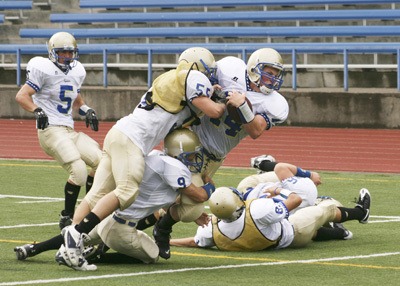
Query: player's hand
[
  {"x": 91, "y": 119},
  {"x": 316, "y": 178},
  {"x": 42, "y": 121},
  {"x": 203, "y": 220}
]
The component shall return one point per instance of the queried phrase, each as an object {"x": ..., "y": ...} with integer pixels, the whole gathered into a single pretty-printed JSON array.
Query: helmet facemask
[
  {"x": 265, "y": 69},
  {"x": 274, "y": 81},
  {"x": 192, "y": 160},
  {"x": 210, "y": 72}
]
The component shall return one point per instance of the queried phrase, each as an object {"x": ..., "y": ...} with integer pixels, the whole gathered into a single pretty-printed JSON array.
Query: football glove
[
  {"x": 42, "y": 121},
  {"x": 91, "y": 119}
]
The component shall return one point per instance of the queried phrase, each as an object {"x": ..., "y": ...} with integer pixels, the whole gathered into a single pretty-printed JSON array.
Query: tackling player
[
  {"x": 166, "y": 176},
  {"x": 176, "y": 98}
]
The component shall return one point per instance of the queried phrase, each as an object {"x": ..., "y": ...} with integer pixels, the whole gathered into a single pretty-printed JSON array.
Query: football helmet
[
  {"x": 184, "y": 145},
  {"x": 63, "y": 41},
  {"x": 204, "y": 60},
  {"x": 255, "y": 69},
  {"x": 226, "y": 203}
]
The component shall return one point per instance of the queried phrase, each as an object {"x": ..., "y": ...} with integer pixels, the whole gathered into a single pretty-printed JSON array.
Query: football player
[
  {"x": 51, "y": 91},
  {"x": 259, "y": 81},
  {"x": 166, "y": 176},
  {"x": 268, "y": 223},
  {"x": 176, "y": 98}
]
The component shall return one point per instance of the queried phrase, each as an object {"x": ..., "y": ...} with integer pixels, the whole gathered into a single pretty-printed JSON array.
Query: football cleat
[
  {"x": 256, "y": 161},
  {"x": 162, "y": 237},
  {"x": 73, "y": 241},
  {"x": 24, "y": 251},
  {"x": 347, "y": 234},
  {"x": 65, "y": 220},
  {"x": 63, "y": 259},
  {"x": 93, "y": 254},
  {"x": 364, "y": 203}
]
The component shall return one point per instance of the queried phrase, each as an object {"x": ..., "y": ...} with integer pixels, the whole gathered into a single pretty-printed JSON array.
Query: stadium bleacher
[
  {"x": 220, "y": 3},
  {"x": 181, "y": 37},
  {"x": 293, "y": 49},
  {"x": 226, "y": 16},
  {"x": 218, "y": 31},
  {"x": 15, "y": 5}
]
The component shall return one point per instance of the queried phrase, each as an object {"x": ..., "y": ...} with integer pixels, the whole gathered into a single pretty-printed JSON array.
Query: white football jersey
[
  {"x": 147, "y": 128},
  {"x": 163, "y": 176},
  {"x": 304, "y": 187},
  {"x": 56, "y": 91},
  {"x": 270, "y": 222},
  {"x": 220, "y": 136}
]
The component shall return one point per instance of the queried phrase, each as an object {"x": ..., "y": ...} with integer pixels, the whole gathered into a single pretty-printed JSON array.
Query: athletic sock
[
  {"x": 146, "y": 222},
  {"x": 71, "y": 193},
  {"x": 166, "y": 222},
  {"x": 88, "y": 223},
  {"x": 89, "y": 183},
  {"x": 52, "y": 243},
  {"x": 351, "y": 214},
  {"x": 328, "y": 233}
]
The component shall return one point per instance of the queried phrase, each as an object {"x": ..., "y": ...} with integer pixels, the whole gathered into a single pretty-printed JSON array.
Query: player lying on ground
[{"x": 268, "y": 223}]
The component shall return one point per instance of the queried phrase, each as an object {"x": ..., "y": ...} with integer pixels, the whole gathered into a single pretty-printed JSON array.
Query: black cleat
[
  {"x": 65, "y": 220},
  {"x": 364, "y": 203},
  {"x": 162, "y": 236},
  {"x": 347, "y": 234},
  {"x": 24, "y": 251}
]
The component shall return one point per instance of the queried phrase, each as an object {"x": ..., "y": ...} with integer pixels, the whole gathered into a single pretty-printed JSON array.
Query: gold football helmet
[
  {"x": 204, "y": 60},
  {"x": 255, "y": 69},
  {"x": 184, "y": 145},
  {"x": 226, "y": 203},
  {"x": 62, "y": 41}
]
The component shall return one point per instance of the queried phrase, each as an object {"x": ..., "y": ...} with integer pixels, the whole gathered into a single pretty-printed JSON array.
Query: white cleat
[{"x": 62, "y": 259}]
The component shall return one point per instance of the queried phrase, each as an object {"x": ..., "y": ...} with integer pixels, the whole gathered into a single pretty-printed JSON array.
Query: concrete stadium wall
[{"x": 357, "y": 108}]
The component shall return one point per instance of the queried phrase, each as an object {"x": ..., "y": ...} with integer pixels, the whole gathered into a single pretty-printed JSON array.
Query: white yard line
[{"x": 98, "y": 277}]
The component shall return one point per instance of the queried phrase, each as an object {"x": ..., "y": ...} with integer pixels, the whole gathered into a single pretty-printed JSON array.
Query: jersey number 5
[{"x": 64, "y": 98}]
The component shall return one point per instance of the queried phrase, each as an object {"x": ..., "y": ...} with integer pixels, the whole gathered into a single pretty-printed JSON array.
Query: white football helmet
[
  {"x": 226, "y": 203},
  {"x": 63, "y": 41},
  {"x": 255, "y": 69},
  {"x": 184, "y": 145},
  {"x": 204, "y": 60}
]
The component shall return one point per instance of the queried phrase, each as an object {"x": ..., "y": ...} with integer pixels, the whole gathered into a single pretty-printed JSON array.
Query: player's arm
[
  {"x": 24, "y": 98},
  {"x": 286, "y": 170},
  {"x": 210, "y": 108},
  {"x": 183, "y": 242},
  {"x": 255, "y": 124},
  {"x": 198, "y": 194}
]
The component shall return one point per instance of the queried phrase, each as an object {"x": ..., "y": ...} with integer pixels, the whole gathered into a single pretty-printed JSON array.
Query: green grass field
[{"x": 31, "y": 199}]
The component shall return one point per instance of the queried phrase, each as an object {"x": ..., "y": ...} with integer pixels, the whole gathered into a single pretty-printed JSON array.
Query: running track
[{"x": 324, "y": 149}]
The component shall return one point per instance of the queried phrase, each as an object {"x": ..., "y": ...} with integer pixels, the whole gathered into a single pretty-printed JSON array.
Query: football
[{"x": 234, "y": 114}]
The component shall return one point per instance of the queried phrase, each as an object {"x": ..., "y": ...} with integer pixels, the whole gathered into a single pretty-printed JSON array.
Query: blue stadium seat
[
  {"x": 293, "y": 49},
  {"x": 220, "y": 3},
  {"x": 15, "y": 5},
  {"x": 221, "y": 16},
  {"x": 208, "y": 31}
]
